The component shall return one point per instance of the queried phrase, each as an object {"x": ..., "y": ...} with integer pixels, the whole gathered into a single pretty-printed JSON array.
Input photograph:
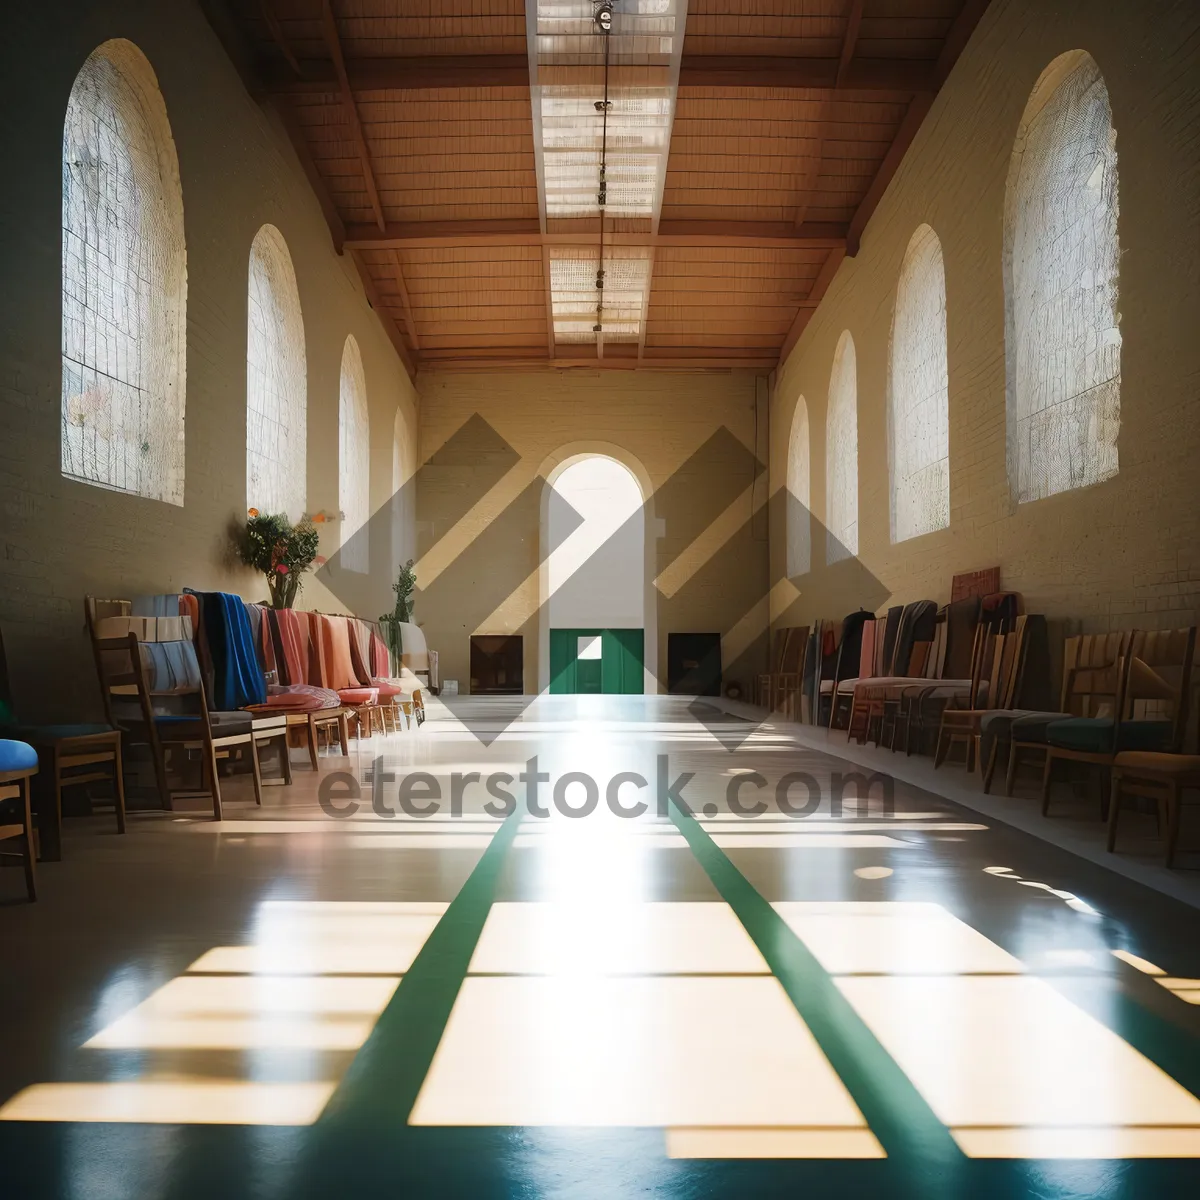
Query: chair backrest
[
  {"x": 1158, "y": 678},
  {"x": 1091, "y": 673},
  {"x": 779, "y": 639},
  {"x": 1010, "y": 668},
  {"x": 793, "y": 649},
  {"x": 866, "y": 654},
  {"x": 138, "y": 672}
]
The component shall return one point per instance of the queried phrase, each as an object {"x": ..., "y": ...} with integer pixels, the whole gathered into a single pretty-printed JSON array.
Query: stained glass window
[
  {"x": 124, "y": 283},
  {"x": 276, "y": 381},
  {"x": 799, "y": 531},
  {"x": 1061, "y": 265},
  {"x": 354, "y": 458},
  {"x": 918, "y": 394},
  {"x": 841, "y": 454}
]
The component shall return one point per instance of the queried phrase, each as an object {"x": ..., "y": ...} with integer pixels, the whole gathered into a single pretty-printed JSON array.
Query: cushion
[
  {"x": 1032, "y": 728},
  {"x": 17, "y": 756},
  {"x": 846, "y": 687},
  {"x": 223, "y": 724},
  {"x": 1175, "y": 766},
  {"x": 52, "y": 733},
  {"x": 1094, "y": 735},
  {"x": 387, "y": 690},
  {"x": 299, "y": 697},
  {"x": 999, "y": 722},
  {"x": 358, "y": 695}
]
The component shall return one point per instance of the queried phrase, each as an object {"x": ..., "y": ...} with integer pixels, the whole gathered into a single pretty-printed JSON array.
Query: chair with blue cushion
[
  {"x": 1089, "y": 688},
  {"x": 1148, "y": 714},
  {"x": 70, "y": 756},
  {"x": 18, "y": 765},
  {"x": 154, "y": 692}
]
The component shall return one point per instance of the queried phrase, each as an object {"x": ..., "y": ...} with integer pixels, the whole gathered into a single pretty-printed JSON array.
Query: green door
[{"x": 608, "y": 661}]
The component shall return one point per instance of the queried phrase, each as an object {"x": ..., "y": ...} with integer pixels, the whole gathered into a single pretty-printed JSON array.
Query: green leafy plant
[
  {"x": 270, "y": 543},
  {"x": 390, "y": 623}
]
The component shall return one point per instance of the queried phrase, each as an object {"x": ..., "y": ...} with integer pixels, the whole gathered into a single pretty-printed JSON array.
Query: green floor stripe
[
  {"x": 897, "y": 1113},
  {"x": 387, "y": 1072}
]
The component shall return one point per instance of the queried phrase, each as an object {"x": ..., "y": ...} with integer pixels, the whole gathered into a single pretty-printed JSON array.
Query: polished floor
[{"x": 332, "y": 996}]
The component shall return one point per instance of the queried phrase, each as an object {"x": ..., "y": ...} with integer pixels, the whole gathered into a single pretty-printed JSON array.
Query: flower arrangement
[{"x": 270, "y": 543}]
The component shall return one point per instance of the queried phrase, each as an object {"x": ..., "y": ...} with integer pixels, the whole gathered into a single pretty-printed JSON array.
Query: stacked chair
[{"x": 154, "y": 691}]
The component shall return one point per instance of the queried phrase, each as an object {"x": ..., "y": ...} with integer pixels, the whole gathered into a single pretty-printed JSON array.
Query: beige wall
[
  {"x": 1125, "y": 552},
  {"x": 687, "y": 436},
  {"x": 60, "y": 538}
]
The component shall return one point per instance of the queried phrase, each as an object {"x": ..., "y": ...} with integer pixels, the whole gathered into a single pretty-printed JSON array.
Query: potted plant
[
  {"x": 270, "y": 543},
  {"x": 390, "y": 623}
]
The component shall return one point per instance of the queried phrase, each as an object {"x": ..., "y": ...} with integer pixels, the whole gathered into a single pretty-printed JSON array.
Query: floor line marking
[
  {"x": 383, "y": 1081},
  {"x": 894, "y": 1109}
]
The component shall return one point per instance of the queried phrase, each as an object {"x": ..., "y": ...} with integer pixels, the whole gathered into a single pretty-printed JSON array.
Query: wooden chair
[
  {"x": 785, "y": 689},
  {"x": 182, "y": 725},
  {"x": 1004, "y": 680},
  {"x": 71, "y": 756},
  {"x": 1160, "y": 776},
  {"x": 764, "y": 684},
  {"x": 1149, "y": 714},
  {"x": 18, "y": 766},
  {"x": 1089, "y": 687}
]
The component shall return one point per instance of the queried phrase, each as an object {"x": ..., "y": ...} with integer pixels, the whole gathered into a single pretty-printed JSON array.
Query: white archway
[{"x": 641, "y": 527}]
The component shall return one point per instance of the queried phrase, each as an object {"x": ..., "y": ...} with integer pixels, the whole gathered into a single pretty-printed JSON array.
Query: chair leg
[
  {"x": 1114, "y": 810},
  {"x": 945, "y": 737},
  {"x": 30, "y": 853},
  {"x": 285, "y": 759},
  {"x": 256, "y": 767},
  {"x": 344, "y": 733},
  {"x": 312, "y": 742},
  {"x": 990, "y": 769},
  {"x": 119, "y": 785},
  {"x": 1010, "y": 777},
  {"x": 209, "y": 767},
  {"x": 1174, "y": 806},
  {"x": 1047, "y": 774},
  {"x": 972, "y": 752}
]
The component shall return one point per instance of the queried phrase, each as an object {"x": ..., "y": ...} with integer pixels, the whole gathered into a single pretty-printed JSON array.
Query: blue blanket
[{"x": 237, "y": 675}]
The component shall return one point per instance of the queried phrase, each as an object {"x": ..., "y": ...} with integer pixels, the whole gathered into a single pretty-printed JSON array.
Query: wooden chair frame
[
  {"x": 1135, "y": 649},
  {"x": 16, "y": 785},
  {"x": 150, "y": 730},
  {"x": 1004, "y": 682}
]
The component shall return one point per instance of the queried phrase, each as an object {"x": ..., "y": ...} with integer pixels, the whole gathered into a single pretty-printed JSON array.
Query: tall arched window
[
  {"x": 354, "y": 458},
  {"x": 918, "y": 393},
  {"x": 1063, "y": 343},
  {"x": 799, "y": 527},
  {"x": 276, "y": 381},
  {"x": 841, "y": 454},
  {"x": 124, "y": 281}
]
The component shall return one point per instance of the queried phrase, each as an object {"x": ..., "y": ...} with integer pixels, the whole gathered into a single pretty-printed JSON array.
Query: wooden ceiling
[{"x": 412, "y": 119}]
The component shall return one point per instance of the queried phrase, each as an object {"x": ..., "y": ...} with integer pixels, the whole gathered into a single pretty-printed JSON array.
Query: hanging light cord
[{"x": 602, "y": 197}]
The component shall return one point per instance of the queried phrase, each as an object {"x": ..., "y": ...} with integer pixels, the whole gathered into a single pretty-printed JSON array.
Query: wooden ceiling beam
[
  {"x": 334, "y": 44},
  {"x": 286, "y": 110},
  {"x": 487, "y": 360},
  {"x": 956, "y": 39},
  {"x": 267, "y": 8},
  {"x": 512, "y": 70},
  {"x": 853, "y": 21},
  {"x": 389, "y": 326},
  {"x": 550, "y": 344},
  {"x": 410, "y": 322},
  {"x": 808, "y": 306},
  {"x": 779, "y": 235}
]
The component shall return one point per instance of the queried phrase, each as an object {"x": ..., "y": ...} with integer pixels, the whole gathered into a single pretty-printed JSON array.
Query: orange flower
[
  {"x": 253, "y": 512},
  {"x": 318, "y": 518}
]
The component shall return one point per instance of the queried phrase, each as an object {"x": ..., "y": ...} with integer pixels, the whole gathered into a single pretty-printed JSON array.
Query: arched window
[
  {"x": 841, "y": 454},
  {"x": 124, "y": 281},
  {"x": 918, "y": 393},
  {"x": 799, "y": 531},
  {"x": 354, "y": 458},
  {"x": 276, "y": 381},
  {"x": 1063, "y": 344}
]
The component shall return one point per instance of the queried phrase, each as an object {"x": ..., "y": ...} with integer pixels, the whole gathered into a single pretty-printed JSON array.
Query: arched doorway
[{"x": 595, "y": 594}]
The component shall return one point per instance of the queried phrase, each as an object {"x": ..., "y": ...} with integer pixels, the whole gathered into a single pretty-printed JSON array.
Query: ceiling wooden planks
[{"x": 412, "y": 121}]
